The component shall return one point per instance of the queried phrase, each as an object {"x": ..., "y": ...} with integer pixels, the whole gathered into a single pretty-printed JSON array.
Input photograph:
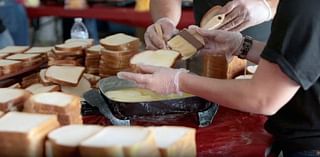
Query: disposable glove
[
  {"x": 158, "y": 79},
  {"x": 156, "y": 39},
  {"x": 220, "y": 42},
  {"x": 241, "y": 14}
]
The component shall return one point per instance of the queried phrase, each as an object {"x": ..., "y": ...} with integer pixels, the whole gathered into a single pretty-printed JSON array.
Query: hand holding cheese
[{"x": 159, "y": 79}]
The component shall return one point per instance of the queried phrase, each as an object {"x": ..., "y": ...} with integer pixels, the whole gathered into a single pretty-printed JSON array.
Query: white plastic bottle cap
[{"x": 78, "y": 19}]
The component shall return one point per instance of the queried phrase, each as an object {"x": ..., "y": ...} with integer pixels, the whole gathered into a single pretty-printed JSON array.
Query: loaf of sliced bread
[
  {"x": 53, "y": 102},
  {"x": 14, "y": 49},
  {"x": 120, "y": 42},
  {"x": 120, "y": 142},
  {"x": 163, "y": 58},
  {"x": 10, "y": 66},
  {"x": 64, "y": 142},
  {"x": 23, "y": 134},
  {"x": 82, "y": 87},
  {"x": 12, "y": 99},
  {"x": 67, "y": 107},
  {"x": 40, "y": 88},
  {"x": 175, "y": 141},
  {"x": 64, "y": 75}
]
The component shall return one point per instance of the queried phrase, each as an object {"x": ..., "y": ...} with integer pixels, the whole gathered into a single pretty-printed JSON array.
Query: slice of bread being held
[
  {"x": 64, "y": 142},
  {"x": 12, "y": 99},
  {"x": 175, "y": 141},
  {"x": 163, "y": 58},
  {"x": 64, "y": 75},
  {"x": 120, "y": 142},
  {"x": 23, "y": 134}
]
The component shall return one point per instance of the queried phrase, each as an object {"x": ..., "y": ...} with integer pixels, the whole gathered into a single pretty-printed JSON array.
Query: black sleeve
[{"x": 294, "y": 43}]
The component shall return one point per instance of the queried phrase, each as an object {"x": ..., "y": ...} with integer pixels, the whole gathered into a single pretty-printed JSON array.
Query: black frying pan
[{"x": 124, "y": 110}]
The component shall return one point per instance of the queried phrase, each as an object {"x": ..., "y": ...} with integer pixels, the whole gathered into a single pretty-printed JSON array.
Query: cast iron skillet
[{"x": 123, "y": 110}]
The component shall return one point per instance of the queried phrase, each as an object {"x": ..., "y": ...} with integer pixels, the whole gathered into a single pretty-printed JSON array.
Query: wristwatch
[{"x": 246, "y": 46}]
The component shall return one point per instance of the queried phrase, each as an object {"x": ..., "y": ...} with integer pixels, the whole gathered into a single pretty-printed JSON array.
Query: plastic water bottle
[{"x": 79, "y": 30}]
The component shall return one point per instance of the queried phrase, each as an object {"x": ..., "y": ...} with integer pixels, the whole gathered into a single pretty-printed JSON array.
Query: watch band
[{"x": 246, "y": 46}]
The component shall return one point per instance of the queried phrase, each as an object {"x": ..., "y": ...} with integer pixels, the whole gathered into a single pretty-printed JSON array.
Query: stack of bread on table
[
  {"x": 92, "y": 59},
  {"x": 38, "y": 135},
  {"x": 14, "y": 59},
  {"x": 69, "y": 53},
  {"x": 116, "y": 53}
]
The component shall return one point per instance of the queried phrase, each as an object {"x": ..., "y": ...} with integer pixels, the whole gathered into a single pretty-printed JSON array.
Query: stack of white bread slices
[
  {"x": 120, "y": 141},
  {"x": 12, "y": 99},
  {"x": 24, "y": 134},
  {"x": 66, "y": 107}
]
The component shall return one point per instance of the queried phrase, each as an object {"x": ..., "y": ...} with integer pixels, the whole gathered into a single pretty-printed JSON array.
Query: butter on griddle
[{"x": 132, "y": 95}]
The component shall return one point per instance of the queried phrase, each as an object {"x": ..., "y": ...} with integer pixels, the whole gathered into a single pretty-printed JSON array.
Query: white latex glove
[
  {"x": 241, "y": 14},
  {"x": 155, "y": 41},
  {"x": 158, "y": 79},
  {"x": 220, "y": 42}
]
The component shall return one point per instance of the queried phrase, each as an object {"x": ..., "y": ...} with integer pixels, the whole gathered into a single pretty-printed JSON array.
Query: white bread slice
[
  {"x": 120, "y": 141},
  {"x": 120, "y": 41},
  {"x": 96, "y": 49},
  {"x": 163, "y": 58},
  {"x": 54, "y": 103},
  {"x": 39, "y": 50},
  {"x": 85, "y": 42},
  {"x": 23, "y": 134},
  {"x": 175, "y": 141},
  {"x": 64, "y": 75},
  {"x": 72, "y": 46},
  {"x": 39, "y": 88},
  {"x": 12, "y": 99},
  {"x": 65, "y": 140},
  {"x": 43, "y": 79},
  {"x": 1, "y": 113},
  {"x": 14, "y": 49},
  {"x": 83, "y": 86},
  {"x": 24, "y": 57}
]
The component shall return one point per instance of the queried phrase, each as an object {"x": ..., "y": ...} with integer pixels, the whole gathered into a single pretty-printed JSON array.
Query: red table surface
[
  {"x": 123, "y": 15},
  {"x": 232, "y": 133}
]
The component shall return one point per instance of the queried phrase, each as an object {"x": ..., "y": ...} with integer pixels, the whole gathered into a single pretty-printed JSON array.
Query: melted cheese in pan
[{"x": 140, "y": 95}]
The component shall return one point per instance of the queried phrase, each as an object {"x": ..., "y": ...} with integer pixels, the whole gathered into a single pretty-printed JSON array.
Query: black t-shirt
[
  {"x": 2, "y": 28},
  {"x": 260, "y": 32},
  {"x": 294, "y": 45}
]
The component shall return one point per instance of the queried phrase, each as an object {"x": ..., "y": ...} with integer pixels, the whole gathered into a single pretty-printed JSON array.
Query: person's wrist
[
  {"x": 168, "y": 20},
  {"x": 176, "y": 80}
]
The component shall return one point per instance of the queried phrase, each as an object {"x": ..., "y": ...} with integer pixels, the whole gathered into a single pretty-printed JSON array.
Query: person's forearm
[
  {"x": 228, "y": 93},
  {"x": 255, "y": 51},
  {"x": 166, "y": 8}
]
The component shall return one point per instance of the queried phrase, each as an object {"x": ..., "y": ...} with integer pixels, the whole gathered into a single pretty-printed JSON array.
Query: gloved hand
[
  {"x": 154, "y": 40},
  {"x": 159, "y": 79},
  {"x": 241, "y": 14},
  {"x": 220, "y": 42}
]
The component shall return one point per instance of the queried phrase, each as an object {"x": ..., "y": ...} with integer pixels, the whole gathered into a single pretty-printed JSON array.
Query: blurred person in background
[
  {"x": 14, "y": 19},
  {"x": 5, "y": 37}
]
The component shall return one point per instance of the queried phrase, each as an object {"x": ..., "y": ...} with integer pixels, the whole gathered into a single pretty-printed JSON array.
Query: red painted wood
[
  {"x": 232, "y": 133},
  {"x": 122, "y": 15}
]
